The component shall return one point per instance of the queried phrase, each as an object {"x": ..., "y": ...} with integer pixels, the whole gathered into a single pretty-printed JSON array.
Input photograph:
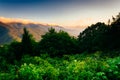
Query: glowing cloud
[{"x": 10, "y": 20}]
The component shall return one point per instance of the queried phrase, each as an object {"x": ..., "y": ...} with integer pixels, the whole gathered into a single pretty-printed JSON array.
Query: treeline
[
  {"x": 101, "y": 37},
  {"x": 97, "y": 37}
]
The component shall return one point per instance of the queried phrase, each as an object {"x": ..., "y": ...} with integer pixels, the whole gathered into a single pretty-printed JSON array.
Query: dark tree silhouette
[
  {"x": 27, "y": 43},
  {"x": 57, "y": 43},
  {"x": 114, "y": 33},
  {"x": 15, "y": 50},
  {"x": 93, "y": 37}
]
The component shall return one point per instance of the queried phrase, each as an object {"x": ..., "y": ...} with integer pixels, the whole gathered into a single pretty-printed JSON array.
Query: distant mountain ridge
[
  {"x": 4, "y": 33},
  {"x": 14, "y": 30}
]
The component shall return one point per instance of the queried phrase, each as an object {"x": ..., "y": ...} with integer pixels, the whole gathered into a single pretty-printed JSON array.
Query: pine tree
[{"x": 27, "y": 42}]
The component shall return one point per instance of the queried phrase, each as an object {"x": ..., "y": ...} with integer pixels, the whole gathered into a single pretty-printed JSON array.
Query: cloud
[
  {"x": 24, "y": 21},
  {"x": 10, "y": 20}
]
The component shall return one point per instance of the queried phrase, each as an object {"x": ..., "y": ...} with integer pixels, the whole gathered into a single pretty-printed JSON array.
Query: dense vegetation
[{"x": 94, "y": 55}]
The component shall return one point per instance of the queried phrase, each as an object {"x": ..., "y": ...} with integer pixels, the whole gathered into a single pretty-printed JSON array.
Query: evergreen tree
[{"x": 27, "y": 43}]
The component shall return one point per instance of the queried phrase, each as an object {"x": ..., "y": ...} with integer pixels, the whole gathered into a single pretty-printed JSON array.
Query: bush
[{"x": 37, "y": 69}]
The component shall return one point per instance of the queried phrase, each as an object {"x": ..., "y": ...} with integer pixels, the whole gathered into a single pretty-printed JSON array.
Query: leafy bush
[
  {"x": 7, "y": 76},
  {"x": 70, "y": 67},
  {"x": 37, "y": 68}
]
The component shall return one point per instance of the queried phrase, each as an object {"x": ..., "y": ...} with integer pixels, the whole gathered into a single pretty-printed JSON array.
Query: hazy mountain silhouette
[{"x": 14, "y": 30}]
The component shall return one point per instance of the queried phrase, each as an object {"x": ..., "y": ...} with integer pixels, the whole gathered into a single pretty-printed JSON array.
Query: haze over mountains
[{"x": 13, "y": 30}]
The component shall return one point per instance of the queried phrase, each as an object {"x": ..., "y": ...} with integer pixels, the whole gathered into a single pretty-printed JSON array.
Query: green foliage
[
  {"x": 90, "y": 67},
  {"x": 57, "y": 43},
  {"x": 37, "y": 69},
  {"x": 7, "y": 76},
  {"x": 70, "y": 67},
  {"x": 114, "y": 68},
  {"x": 3, "y": 64},
  {"x": 15, "y": 50}
]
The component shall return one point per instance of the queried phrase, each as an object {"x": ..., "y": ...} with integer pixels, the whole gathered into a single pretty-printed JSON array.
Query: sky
[{"x": 67, "y": 13}]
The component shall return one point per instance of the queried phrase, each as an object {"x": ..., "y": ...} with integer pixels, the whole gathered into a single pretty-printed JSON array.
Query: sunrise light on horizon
[{"x": 67, "y": 13}]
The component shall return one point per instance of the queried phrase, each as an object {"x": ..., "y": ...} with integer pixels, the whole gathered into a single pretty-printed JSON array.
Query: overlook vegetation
[{"x": 93, "y": 55}]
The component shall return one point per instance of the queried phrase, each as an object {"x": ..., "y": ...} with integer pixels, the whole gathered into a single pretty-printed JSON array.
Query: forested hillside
[
  {"x": 93, "y": 55},
  {"x": 13, "y": 30}
]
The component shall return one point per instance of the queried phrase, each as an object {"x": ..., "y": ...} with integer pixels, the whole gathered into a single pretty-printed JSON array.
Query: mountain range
[{"x": 14, "y": 30}]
